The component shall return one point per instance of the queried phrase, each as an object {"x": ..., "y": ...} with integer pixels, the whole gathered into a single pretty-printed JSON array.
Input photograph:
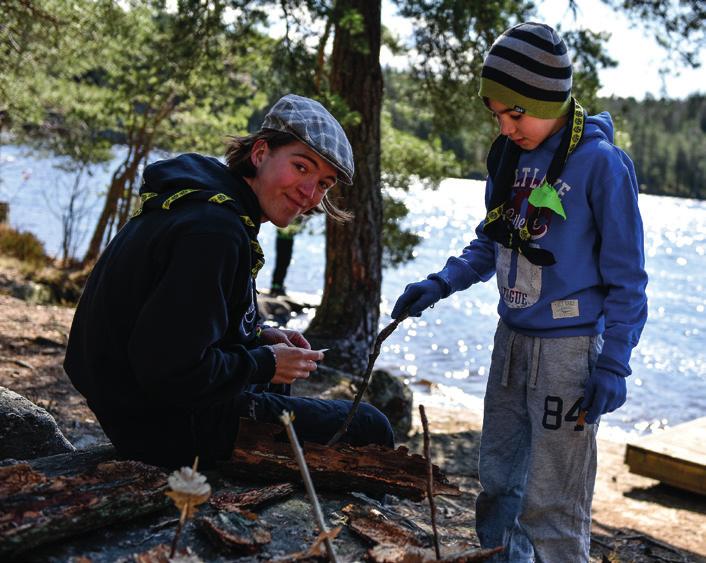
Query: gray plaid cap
[{"x": 312, "y": 124}]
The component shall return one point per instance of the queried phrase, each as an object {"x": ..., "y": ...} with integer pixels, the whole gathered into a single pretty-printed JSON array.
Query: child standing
[{"x": 563, "y": 235}]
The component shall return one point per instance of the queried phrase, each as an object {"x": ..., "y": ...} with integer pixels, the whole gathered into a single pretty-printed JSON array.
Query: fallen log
[
  {"x": 260, "y": 453},
  {"x": 38, "y": 507}
]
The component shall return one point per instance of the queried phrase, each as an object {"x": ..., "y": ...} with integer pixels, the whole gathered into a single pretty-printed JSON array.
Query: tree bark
[
  {"x": 38, "y": 508},
  {"x": 140, "y": 141},
  {"x": 375, "y": 470},
  {"x": 398, "y": 542},
  {"x": 347, "y": 319},
  {"x": 123, "y": 175},
  {"x": 235, "y": 531},
  {"x": 385, "y": 553},
  {"x": 377, "y": 528},
  {"x": 228, "y": 501}
]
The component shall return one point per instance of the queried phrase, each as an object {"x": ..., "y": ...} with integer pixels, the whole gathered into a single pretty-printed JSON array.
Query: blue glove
[
  {"x": 605, "y": 392},
  {"x": 417, "y": 297}
]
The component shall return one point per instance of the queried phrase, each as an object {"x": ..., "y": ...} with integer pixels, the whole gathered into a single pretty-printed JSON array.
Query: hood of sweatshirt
[
  {"x": 193, "y": 171},
  {"x": 600, "y": 126}
]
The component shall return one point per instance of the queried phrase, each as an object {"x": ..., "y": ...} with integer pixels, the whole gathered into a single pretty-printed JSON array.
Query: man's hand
[
  {"x": 605, "y": 392},
  {"x": 294, "y": 363},
  {"x": 284, "y": 336},
  {"x": 417, "y": 297}
]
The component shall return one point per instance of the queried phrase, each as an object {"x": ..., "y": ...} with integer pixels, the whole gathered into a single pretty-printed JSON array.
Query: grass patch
[{"x": 24, "y": 246}]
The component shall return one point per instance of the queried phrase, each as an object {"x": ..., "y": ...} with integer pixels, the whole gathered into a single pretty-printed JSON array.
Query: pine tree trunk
[
  {"x": 123, "y": 176},
  {"x": 140, "y": 142},
  {"x": 347, "y": 320}
]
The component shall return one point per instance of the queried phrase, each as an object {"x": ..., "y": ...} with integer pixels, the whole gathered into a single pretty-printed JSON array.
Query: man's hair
[{"x": 239, "y": 150}]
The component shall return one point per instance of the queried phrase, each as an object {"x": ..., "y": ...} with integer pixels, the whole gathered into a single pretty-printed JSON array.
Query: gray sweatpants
[{"x": 537, "y": 471}]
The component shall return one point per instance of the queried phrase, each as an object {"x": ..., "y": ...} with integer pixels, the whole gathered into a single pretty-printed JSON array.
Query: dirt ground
[{"x": 635, "y": 519}]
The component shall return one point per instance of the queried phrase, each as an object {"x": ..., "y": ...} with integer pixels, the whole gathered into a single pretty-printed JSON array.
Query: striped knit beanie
[{"x": 529, "y": 70}]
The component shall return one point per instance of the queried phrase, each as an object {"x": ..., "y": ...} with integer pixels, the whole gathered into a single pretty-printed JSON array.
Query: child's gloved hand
[
  {"x": 417, "y": 297},
  {"x": 605, "y": 392}
]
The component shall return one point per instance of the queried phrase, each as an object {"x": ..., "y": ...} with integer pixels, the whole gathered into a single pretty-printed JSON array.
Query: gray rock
[
  {"x": 26, "y": 430},
  {"x": 33, "y": 292},
  {"x": 390, "y": 394},
  {"x": 385, "y": 391}
]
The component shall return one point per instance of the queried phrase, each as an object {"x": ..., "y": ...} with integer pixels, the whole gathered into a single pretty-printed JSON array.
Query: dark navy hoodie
[{"x": 163, "y": 340}]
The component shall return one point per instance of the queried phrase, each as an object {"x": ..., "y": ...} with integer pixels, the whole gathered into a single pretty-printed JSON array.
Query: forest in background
[
  {"x": 667, "y": 141},
  {"x": 79, "y": 77},
  {"x": 666, "y": 138}
]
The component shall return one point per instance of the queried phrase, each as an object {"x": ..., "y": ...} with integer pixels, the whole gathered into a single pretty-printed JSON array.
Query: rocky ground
[{"x": 635, "y": 518}]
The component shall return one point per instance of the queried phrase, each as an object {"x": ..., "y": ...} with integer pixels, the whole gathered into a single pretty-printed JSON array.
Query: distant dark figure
[{"x": 284, "y": 248}]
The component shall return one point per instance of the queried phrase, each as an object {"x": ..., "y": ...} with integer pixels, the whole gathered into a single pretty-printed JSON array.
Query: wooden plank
[{"x": 676, "y": 456}]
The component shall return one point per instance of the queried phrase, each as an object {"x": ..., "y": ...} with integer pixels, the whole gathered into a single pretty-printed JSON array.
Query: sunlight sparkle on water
[{"x": 456, "y": 374}]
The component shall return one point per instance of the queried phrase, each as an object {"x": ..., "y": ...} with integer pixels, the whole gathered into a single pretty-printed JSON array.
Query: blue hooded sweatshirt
[{"x": 597, "y": 285}]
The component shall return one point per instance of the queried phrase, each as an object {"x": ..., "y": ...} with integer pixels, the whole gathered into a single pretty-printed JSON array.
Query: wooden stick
[
  {"x": 18, "y": 362},
  {"x": 180, "y": 525},
  {"x": 299, "y": 455},
  {"x": 430, "y": 479},
  {"x": 182, "y": 518},
  {"x": 601, "y": 543},
  {"x": 384, "y": 333},
  {"x": 581, "y": 421},
  {"x": 649, "y": 539}
]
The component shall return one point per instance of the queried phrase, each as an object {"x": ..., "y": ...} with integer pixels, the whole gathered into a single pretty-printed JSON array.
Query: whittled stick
[
  {"x": 430, "y": 479},
  {"x": 581, "y": 421},
  {"x": 384, "y": 333},
  {"x": 299, "y": 455}
]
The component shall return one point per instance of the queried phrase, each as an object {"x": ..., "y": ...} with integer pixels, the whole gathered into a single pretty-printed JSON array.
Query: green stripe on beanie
[
  {"x": 528, "y": 69},
  {"x": 529, "y": 106}
]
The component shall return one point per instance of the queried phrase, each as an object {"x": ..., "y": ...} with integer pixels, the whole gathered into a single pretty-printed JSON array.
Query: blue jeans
[{"x": 316, "y": 420}]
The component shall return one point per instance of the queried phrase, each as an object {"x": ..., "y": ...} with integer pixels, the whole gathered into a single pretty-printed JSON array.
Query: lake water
[{"x": 450, "y": 346}]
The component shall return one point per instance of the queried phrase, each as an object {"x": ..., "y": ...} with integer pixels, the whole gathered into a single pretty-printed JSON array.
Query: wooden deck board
[{"x": 676, "y": 456}]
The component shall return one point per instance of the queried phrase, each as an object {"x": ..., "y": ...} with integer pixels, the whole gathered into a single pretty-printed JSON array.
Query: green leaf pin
[{"x": 546, "y": 196}]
